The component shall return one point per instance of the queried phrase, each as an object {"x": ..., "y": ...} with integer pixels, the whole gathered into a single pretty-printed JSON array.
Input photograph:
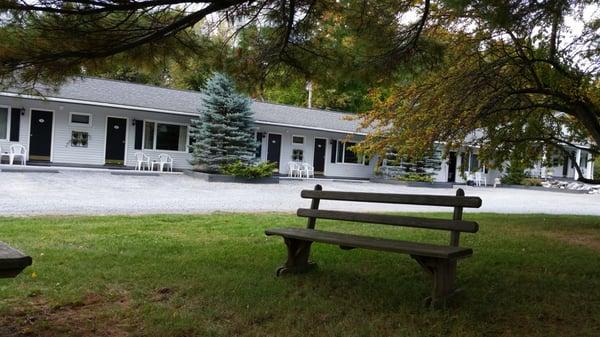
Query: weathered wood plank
[
  {"x": 314, "y": 204},
  {"x": 389, "y": 198},
  {"x": 394, "y": 220},
  {"x": 12, "y": 261},
  {"x": 366, "y": 242}
]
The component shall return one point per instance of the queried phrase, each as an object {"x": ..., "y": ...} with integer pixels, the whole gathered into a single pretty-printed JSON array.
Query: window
[
  {"x": 149, "y": 135},
  {"x": 80, "y": 119},
  {"x": 473, "y": 163},
  {"x": 4, "y": 123},
  {"x": 163, "y": 136},
  {"x": 298, "y": 140},
  {"x": 298, "y": 155},
  {"x": 346, "y": 155},
  {"x": 79, "y": 139},
  {"x": 259, "y": 137},
  {"x": 349, "y": 155}
]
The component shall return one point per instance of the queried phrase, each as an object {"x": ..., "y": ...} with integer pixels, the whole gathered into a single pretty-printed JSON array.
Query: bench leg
[
  {"x": 443, "y": 272},
  {"x": 297, "y": 261}
]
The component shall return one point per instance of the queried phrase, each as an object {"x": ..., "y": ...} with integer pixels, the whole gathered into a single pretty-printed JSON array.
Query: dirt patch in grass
[
  {"x": 579, "y": 239},
  {"x": 93, "y": 316}
]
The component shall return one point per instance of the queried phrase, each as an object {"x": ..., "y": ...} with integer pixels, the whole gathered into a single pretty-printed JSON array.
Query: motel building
[{"x": 92, "y": 122}]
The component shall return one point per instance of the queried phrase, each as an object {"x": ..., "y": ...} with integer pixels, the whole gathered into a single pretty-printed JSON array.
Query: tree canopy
[{"x": 512, "y": 81}]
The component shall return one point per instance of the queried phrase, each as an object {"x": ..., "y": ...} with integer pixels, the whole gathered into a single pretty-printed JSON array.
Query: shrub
[
  {"x": 250, "y": 171},
  {"x": 514, "y": 175},
  {"x": 531, "y": 182},
  {"x": 418, "y": 177}
]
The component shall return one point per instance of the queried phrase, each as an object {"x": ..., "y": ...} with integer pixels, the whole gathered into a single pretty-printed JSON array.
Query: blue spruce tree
[{"x": 224, "y": 131}]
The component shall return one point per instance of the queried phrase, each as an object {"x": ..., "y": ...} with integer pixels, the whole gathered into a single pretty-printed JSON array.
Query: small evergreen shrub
[
  {"x": 249, "y": 171},
  {"x": 531, "y": 182},
  {"x": 514, "y": 176},
  {"x": 417, "y": 177}
]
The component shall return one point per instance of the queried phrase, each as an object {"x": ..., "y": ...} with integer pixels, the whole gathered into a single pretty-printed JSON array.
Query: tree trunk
[{"x": 579, "y": 172}]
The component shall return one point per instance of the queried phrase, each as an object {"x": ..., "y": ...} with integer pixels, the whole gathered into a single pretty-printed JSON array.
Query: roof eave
[{"x": 172, "y": 112}]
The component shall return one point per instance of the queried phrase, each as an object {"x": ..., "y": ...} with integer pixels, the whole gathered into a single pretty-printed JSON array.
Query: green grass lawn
[{"x": 214, "y": 275}]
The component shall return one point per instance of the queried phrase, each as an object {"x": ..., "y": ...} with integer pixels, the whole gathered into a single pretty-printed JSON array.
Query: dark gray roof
[{"x": 182, "y": 101}]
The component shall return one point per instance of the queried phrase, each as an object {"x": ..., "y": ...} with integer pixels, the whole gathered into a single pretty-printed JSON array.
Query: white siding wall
[
  {"x": 93, "y": 154},
  {"x": 23, "y": 127},
  {"x": 331, "y": 169}
]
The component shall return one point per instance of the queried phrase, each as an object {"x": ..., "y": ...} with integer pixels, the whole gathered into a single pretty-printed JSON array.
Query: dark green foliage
[
  {"x": 417, "y": 177},
  {"x": 250, "y": 171},
  {"x": 224, "y": 131},
  {"x": 515, "y": 175}
]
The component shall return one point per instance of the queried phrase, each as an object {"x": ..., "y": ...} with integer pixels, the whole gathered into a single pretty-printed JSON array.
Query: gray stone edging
[
  {"x": 545, "y": 189},
  {"x": 221, "y": 178},
  {"x": 28, "y": 170}
]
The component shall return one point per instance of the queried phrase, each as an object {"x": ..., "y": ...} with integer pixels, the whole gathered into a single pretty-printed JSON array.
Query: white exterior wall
[
  {"x": 23, "y": 127},
  {"x": 331, "y": 169},
  {"x": 93, "y": 154}
]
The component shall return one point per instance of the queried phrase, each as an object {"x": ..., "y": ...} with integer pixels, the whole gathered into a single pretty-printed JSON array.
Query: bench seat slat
[
  {"x": 395, "y": 220},
  {"x": 12, "y": 261},
  {"x": 409, "y": 199},
  {"x": 366, "y": 242}
]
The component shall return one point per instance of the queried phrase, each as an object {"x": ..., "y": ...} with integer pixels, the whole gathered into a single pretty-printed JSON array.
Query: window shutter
[
  {"x": 333, "y": 150},
  {"x": 15, "y": 124},
  {"x": 139, "y": 129}
]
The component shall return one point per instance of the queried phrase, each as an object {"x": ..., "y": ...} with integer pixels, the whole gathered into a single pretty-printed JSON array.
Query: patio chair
[
  {"x": 294, "y": 169},
  {"x": 165, "y": 160},
  {"x": 308, "y": 170},
  {"x": 142, "y": 159},
  {"x": 480, "y": 177},
  {"x": 17, "y": 151},
  {"x": 4, "y": 154}
]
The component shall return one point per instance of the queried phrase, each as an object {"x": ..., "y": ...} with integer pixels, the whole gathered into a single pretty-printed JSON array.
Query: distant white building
[{"x": 94, "y": 122}]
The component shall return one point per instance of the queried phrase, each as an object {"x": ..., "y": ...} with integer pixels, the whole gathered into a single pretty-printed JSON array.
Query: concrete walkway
[{"x": 100, "y": 192}]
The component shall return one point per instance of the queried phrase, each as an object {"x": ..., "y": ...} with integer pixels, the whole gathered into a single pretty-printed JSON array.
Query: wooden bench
[
  {"x": 12, "y": 261},
  {"x": 437, "y": 260}
]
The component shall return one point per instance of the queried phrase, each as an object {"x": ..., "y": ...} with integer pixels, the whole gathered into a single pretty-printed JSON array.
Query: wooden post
[
  {"x": 314, "y": 205},
  {"x": 458, "y": 212}
]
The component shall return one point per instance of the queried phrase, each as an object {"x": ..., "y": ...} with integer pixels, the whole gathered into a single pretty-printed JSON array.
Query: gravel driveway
[{"x": 95, "y": 192}]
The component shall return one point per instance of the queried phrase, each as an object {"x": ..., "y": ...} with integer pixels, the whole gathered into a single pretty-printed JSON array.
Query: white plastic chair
[
  {"x": 294, "y": 170},
  {"x": 308, "y": 170},
  {"x": 142, "y": 159},
  {"x": 497, "y": 182},
  {"x": 480, "y": 178},
  {"x": 165, "y": 160},
  {"x": 17, "y": 151},
  {"x": 4, "y": 154}
]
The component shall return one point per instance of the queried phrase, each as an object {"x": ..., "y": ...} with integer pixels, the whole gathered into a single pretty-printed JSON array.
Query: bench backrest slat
[
  {"x": 409, "y": 199},
  {"x": 395, "y": 220}
]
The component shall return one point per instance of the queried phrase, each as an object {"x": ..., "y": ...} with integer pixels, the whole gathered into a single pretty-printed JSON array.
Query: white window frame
[
  {"x": 298, "y": 144},
  {"x": 8, "y": 121},
  {"x": 156, "y": 122},
  {"x": 82, "y": 125},
  {"x": 343, "y": 162}
]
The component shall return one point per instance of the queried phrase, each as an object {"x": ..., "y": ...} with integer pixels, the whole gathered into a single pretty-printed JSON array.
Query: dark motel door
[
  {"x": 319, "y": 157},
  {"x": 116, "y": 129},
  {"x": 40, "y": 135},
  {"x": 452, "y": 167},
  {"x": 274, "y": 149}
]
